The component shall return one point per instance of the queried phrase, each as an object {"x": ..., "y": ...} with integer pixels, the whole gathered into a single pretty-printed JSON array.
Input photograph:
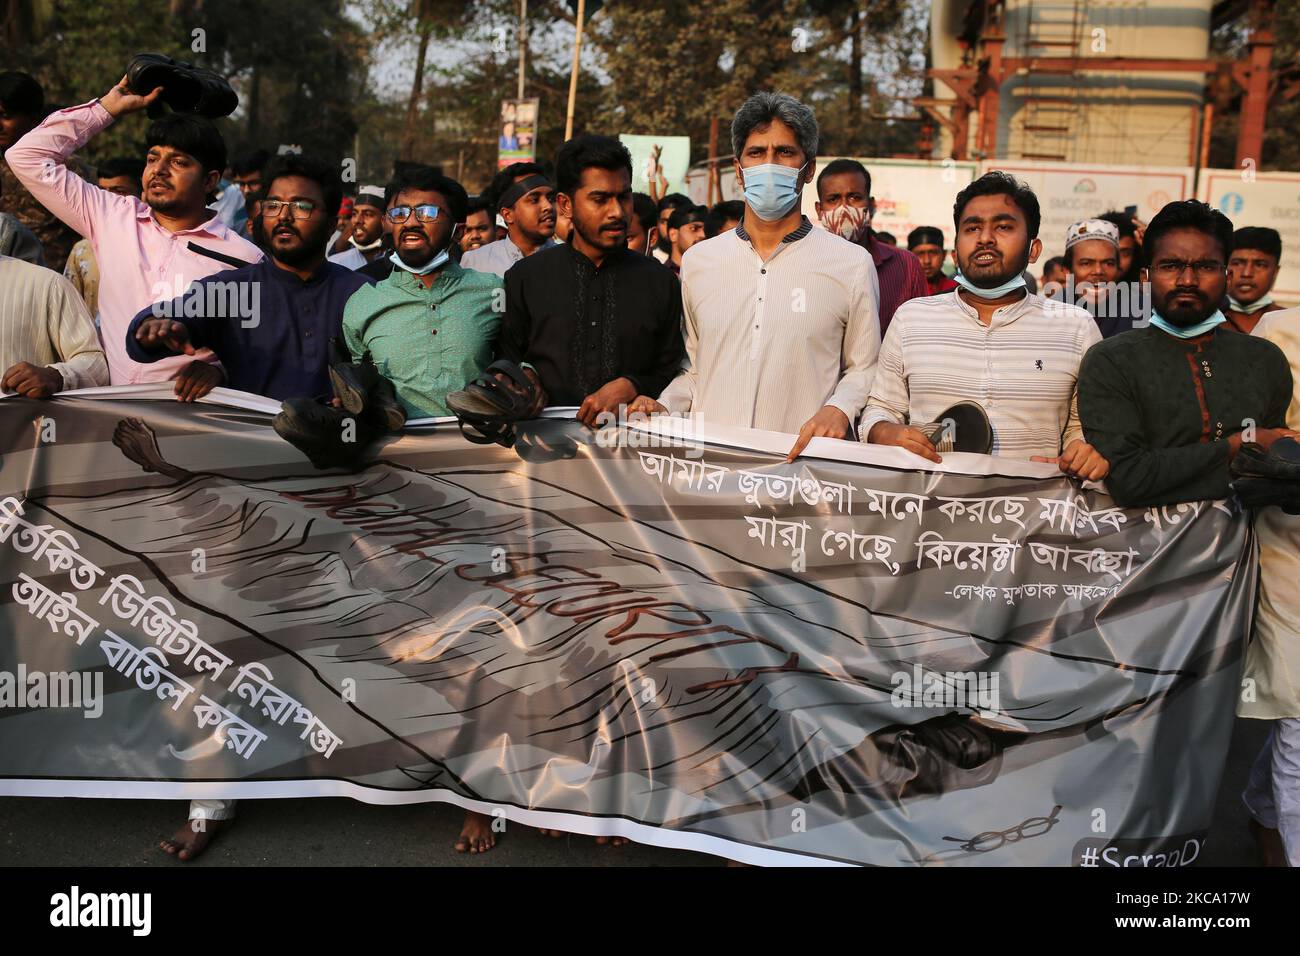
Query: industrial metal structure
[{"x": 1096, "y": 81}]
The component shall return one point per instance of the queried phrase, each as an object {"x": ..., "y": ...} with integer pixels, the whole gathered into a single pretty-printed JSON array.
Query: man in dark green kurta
[{"x": 1167, "y": 405}]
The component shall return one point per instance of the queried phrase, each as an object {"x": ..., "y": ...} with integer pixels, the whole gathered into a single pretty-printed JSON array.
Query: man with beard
[
  {"x": 366, "y": 241},
  {"x": 429, "y": 327},
  {"x": 1167, "y": 404},
  {"x": 148, "y": 251},
  {"x": 592, "y": 323},
  {"x": 269, "y": 323},
  {"x": 525, "y": 198},
  {"x": 1252, "y": 270},
  {"x": 431, "y": 324},
  {"x": 845, "y": 207},
  {"x": 989, "y": 341}
]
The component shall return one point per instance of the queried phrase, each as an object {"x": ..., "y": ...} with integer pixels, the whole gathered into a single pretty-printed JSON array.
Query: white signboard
[
  {"x": 1268, "y": 199},
  {"x": 1068, "y": 192}
]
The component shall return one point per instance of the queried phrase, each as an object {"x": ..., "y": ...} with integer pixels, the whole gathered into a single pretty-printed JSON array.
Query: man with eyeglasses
[
  {"x": 1167, "y": 405},
  {"x": 524, "y": 196},
  {"x": 269, "y": 323},
  {"x": 430, "y": 326}
]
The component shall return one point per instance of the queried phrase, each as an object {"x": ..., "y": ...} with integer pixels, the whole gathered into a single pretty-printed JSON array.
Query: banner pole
[
  {"x": 523, "y": 44},
  {"x": 573, "y": 74}
]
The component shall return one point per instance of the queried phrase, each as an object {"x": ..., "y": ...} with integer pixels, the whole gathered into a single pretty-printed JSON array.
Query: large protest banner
[
  {"x": 674, "y": 637},
  {"x": 1251, "y": 198}
]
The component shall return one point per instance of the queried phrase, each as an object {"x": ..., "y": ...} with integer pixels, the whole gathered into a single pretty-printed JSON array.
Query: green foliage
[{"x": 335, "y": 76}]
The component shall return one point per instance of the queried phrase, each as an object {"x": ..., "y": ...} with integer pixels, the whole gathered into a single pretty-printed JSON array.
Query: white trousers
[
  {"x": 1272, "y": 794},
  {"x": 212, "y": 809}
]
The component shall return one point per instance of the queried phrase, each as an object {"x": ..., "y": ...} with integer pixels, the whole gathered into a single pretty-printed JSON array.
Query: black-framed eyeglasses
[
  {"x": 299, "y": 208},
  {"x": 425, "y": 212},
  {"x": 1176, "y": 267}
]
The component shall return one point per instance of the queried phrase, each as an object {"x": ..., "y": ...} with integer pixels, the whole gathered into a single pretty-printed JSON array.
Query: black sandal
[{"x": 487, "y": 400}]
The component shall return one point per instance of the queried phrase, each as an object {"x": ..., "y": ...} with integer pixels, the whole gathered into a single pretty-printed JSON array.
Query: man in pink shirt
[{"x": 148, "y": 251}]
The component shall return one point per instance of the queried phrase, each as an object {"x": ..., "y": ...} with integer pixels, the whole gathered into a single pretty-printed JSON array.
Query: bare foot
[
  {"x": 476, "y": 835},
  {"x": 600, "y": 840},
  {"x": 188, "y": 843},
  {"x": 1268, "y": 844},
  {"x": 139, "y": 444}
]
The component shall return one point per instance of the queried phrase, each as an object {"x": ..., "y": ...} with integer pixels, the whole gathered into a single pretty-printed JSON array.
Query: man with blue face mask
[
  {"x": 781, "y": 319},
  {"x": 989, "y": 341}
]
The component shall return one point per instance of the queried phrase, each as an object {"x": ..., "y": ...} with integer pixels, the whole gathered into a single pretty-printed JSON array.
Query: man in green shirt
[
  {"x": 1169, "y": 405},
  {"x": 431, "y": 325}
]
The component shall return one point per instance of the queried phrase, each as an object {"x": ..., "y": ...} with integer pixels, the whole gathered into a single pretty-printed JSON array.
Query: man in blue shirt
[{"x": 269, "y": 323}]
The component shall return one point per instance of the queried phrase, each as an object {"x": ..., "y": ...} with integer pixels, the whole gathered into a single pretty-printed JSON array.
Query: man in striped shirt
[{"x": 989, "y": 341}]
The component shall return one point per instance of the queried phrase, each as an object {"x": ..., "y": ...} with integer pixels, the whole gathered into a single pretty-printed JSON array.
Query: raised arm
[{"x": 40, "y": 158}]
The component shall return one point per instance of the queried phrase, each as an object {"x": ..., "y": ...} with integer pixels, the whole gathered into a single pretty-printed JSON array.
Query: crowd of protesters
[{"x": 1154, "y": 352}]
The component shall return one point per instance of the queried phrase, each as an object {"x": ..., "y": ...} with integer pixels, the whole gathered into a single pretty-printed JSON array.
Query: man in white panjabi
[{"x": 1271, "y": 677}]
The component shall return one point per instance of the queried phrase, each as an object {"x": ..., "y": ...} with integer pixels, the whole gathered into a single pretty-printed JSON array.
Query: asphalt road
[{"x": 340, "y": 832}]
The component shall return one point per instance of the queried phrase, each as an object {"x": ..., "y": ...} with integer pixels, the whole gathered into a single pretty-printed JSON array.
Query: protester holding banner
[
  {"x": 432, "y": 323},
  {"x": 990, "y": 342},
  {"x": 593, "y": 324},
  {"x": 1272, "y": 666},
  {"x": 844, "y": 206},
  {"x": 49, "y": 342},
  {"x": 147, "y": 251},
  {"x": 523, "y": 195},
  {"x": 269, "y": 323},
  {"x": 1167, "y": 404},
  {"x": 1252, "y": 270},
  {"x": 781, "y": 323}
]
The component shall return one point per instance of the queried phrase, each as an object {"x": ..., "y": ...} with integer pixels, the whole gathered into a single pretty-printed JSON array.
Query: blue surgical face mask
[
  {"x": 435, "y": 263},
  {"x": 771, "y": 190},
  {"x": 1188, "y": 331},
  {"x": 1011, "y": 285},
  {"x": 1261, "y": 303}
]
